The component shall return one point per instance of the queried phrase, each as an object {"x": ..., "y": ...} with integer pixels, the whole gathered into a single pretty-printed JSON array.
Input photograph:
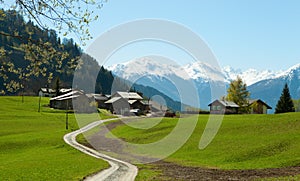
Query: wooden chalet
[
  {"x": 48, "y": 92},
  {"x": 125, "y": 102},
  {"x": 223, "y": 107},
  {"x": 258, "y": 106},
  {"x": 68, "y": 100}
]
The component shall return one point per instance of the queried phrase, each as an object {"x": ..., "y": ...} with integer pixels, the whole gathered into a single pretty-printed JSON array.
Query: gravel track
[{"x": 119, "y": 170}]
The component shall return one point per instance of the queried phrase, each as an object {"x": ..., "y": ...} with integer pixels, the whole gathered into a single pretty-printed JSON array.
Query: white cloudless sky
[{"x": 243, "y": 34}]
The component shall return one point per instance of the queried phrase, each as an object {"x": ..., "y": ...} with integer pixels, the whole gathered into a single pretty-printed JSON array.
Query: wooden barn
[
  {"x": 124, "y": 102},
  {"x": 75, "y": 100},
  {"x": 118, "y": 105},
  {"x": 258, "y": 106},
  {"x": 100, "y": 99},
  {"x": 223, "y": 107}
]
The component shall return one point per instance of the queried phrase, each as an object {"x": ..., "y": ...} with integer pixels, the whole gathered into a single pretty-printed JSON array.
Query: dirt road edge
[{"x": 119, "y": 170}]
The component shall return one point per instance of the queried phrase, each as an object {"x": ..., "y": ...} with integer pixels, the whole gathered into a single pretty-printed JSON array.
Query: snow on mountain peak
[
  {"x": 199, "y": 71},
  {"x": 249, "y": 76},
  {"x": 148, "y": 66}
]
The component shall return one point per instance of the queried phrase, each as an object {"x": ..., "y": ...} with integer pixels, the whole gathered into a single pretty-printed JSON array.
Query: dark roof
[{"x": 251, "y": 101}]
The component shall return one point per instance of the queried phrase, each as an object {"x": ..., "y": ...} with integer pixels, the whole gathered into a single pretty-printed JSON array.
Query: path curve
[{"x": 119, "y": 170}]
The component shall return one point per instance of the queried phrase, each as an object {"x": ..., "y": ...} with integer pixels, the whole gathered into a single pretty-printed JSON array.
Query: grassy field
[
  {"x": 32, "y": 146},
  {"x": 243, "y": 141}
]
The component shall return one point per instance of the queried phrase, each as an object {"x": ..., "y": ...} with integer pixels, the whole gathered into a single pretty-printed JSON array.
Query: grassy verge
[
  {"x": 243, "y": 141},
  {"x": 32, "y": 146}
]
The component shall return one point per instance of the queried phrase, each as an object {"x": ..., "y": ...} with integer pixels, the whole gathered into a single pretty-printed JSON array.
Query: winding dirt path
[
  {"x": 173, "y": 171},
  {"x": 119, "y": 170}
]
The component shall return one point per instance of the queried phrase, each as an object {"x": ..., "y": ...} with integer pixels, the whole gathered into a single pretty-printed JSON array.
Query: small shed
[
  {"x": 258, "y": 106},
  {"x": 223, "y": 107},
  {"x": 100, "y": 99},
  {"x": 47, "y": 92},
  {"x": 68, "y": 100},
  {"x": 138, "y": 104},
  {"x": 118, "y": 105}
]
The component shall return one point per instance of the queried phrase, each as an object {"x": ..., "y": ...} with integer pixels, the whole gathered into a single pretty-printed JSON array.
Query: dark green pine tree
[{"x": 285, "y": 103}]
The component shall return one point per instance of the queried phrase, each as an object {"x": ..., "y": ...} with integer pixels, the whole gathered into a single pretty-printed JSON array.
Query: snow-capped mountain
[
  {"x": 202, "y": 71},
  {"x": 165, "y": 76},
  {"x": 154, "y": 66},
  {"x": 270, "y": 89},
  {"x": 149, "y": 66},
  {"x": 249, "y": 76}
]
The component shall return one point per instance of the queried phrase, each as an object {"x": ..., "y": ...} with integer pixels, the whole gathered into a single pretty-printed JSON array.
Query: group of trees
[
  {"x": 66, "y": 16},
  {"x": 238, "y": 93},
  {"x": 32, "y": 55},
  {"x": 31, "y": 58}
]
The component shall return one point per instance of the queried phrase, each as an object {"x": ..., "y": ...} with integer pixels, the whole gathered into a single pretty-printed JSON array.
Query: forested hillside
[{"x": 32, "y": 58}]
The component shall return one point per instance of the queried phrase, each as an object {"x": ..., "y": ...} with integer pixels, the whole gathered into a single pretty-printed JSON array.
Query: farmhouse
[
  {"x": 125, "y": 102},
  {"x": 258, "y": 106},
  {"x": 48, "y": 92},
  {"x": 127, "y": 95},
  {"x": 223, "y": 107},
  {"x": 120, "y": 102},
  {"x": 67, "y": 101}
]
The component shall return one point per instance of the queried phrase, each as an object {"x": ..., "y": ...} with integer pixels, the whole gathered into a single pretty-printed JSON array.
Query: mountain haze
[{"x": 266, "y": 85}]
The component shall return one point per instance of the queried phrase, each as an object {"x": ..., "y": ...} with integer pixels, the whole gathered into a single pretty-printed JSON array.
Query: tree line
[
  {"x": 31, "y": 58},
  {"x": 238, "y": 93}
]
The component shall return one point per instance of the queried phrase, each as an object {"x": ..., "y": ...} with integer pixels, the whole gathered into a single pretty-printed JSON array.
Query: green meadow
[
  {"x": 32, "y": 146},
  {"x": 242, "y": 142}
]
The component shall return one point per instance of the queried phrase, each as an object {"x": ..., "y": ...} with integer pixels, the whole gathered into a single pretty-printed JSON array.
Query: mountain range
[{"x": 169, "y": 78}]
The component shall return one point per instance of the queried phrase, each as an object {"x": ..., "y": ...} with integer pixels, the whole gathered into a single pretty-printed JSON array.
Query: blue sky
[{"x": 243, "y": 34}]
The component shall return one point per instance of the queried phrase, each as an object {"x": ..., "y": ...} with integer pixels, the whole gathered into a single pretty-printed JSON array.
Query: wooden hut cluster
[
  {"x": 124, "y": 103},
  {"x": 256, "y": 106}
]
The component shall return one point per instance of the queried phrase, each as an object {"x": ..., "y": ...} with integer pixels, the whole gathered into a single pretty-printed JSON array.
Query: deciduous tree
[
  {"x": 238, "y": 93},
  {"x": 66, "y": 16}
]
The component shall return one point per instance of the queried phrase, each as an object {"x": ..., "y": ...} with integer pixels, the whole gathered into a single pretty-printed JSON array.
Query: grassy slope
[
  {"x": 243, "y": 141},
  {"x": 32, "y": 146}
]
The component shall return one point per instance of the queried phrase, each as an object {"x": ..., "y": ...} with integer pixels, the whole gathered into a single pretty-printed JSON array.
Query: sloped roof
[
  {"x": 226, "y": 103},
  {"x": 47, "y": 90},
  {"x": 131, "y": 101},
  {"x": 64, "y": 90},
  {"x": 99, "y": 97},
  {"x": 251, "y": 101},
  {"x": 68, "y": 95},
  {"x": 129, "y": 95},
  {"x": 112, "y": 100}
]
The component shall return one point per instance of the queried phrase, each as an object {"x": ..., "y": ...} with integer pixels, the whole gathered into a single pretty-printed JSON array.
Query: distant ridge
[{"x": 152, "y": 72}]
